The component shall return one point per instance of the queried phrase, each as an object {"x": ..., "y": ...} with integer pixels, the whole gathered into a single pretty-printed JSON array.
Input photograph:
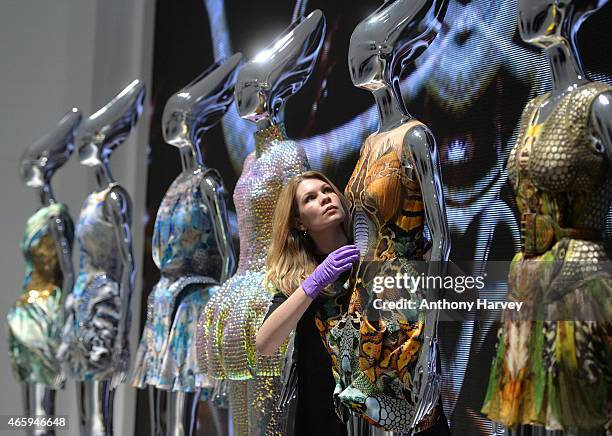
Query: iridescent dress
[
  {"x": 89, "y": 337},
  {"x": 552, "y": 365},
  {"x": 229, "y": 323},
  {"x": 185, "y": 250},
  {"x": 35, "y": 320},
  {"x": 373, "y": 357}
]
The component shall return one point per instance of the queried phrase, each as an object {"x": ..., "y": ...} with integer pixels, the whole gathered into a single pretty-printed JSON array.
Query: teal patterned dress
[
  {"x": 185, "y": 250},
  {"x": 35, "y": 320}
]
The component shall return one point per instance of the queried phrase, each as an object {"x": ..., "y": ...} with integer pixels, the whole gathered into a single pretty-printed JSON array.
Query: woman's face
[{"x": 319, "y": 207}]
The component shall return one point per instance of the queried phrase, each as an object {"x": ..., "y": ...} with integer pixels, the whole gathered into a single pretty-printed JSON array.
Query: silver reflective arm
[{"x": 422, "y": 146}]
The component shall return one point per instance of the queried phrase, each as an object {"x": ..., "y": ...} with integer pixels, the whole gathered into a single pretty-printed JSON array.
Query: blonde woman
[{"x": 308, "y": 261}]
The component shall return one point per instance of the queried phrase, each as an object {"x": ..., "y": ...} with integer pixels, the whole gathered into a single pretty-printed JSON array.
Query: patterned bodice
[
  {"x": 99, "y": 250},
  {"x": 257, "y": 192},
  {"x": 385, "y": 198},
  {"x": 184, "y": 239},
  {"x": 556, "y": 167},
  {"x": 43, "y": 273}
]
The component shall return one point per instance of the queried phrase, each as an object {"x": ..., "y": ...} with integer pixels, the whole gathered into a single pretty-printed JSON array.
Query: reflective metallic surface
[
  {"x": 266, "y": 82},
  {"x": 37, "y": 167},
  {"x": 95, "y": 402},
  {"x": 227, "y": 327},
  {"x": 38, "y": 400},
  {"x": 381, "y": 47},
  {"x": 100, "y": 302},
  {"x": 196, "y": 195},
  {"x": 107, "y": 128},
  {"x": 391, "y": 38},
  {"x": 201, "y": 104},
  {"x": 562, "y": 153}
]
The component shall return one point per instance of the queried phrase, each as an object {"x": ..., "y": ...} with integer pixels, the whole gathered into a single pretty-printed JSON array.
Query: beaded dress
[
  {"x": 228, "y": 326},
  {"x": 552, "y": 365}
]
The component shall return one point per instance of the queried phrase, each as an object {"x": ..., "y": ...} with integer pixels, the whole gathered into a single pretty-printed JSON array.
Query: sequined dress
[
  {"x": 93, "y": 307},
  {"x": 35, "y": 320},
  {"x": 552, "y": 365},
  {"x": 229, "y": 323},
  {"x": 185, "y": 250},
  {"x": 374, "y": 355}
]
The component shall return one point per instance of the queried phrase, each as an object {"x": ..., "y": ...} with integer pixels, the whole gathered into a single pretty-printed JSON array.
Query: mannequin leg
[
  {"x": 181, "y": 420},
  {"x": 95, "y": 399},
  {"x": 157, "y": 411},
  {"x": 239, "y": 407},
  {"x": 264, "y": 417},
  {"x": 38, "y": 400},
  {"x": 210, "y": 419}
]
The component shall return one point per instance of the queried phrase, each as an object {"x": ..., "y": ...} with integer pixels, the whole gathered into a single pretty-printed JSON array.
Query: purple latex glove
[{"x": 330, "y": 269}]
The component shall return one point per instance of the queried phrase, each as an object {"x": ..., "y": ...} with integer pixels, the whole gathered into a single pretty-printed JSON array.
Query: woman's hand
[{"x": 330, "y": 269}]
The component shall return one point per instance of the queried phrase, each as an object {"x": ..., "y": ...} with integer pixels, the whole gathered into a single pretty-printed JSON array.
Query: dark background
[{"x": 471, "y": 100}]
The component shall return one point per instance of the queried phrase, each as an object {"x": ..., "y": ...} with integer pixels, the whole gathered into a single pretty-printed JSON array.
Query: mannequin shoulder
[
  {"x": 118, "y": 202},
  {"x": 418, "y": 142}
]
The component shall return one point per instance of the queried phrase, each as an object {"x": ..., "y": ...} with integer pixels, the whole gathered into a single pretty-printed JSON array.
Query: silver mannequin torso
[
  {"x": 556, "y": 32},
  {"x": 187, "y": 115},
  {"x": 381, "y": 46},
  {"x": 106, "y": 214},
  {"x": 38, "y": 165}
]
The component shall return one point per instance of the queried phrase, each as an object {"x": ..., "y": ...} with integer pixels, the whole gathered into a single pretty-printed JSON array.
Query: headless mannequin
[
  {"x": 37, "y": 167},
  {"x": 187, "y": 115},
  {"x": 381, "y": 46},
  {"x": 101, "y": 133}
]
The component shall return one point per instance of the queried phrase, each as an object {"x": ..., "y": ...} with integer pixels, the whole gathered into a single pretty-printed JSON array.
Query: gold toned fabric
[
  {"x": 35, "y": 321},
  {"x": 552, "y": 365},
  {"x": 374, "y": 357}
]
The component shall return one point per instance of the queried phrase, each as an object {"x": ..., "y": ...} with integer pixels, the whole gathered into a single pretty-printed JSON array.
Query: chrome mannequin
[
  {"x": 100, "y": 135},
  {"x": 381, "y": 47},
  {"x": 553, "y": 26},
  {"x": 266, "y": 83},
  {"x": 188, "y": 114},
  {"x": 38, "y": 164},
  {"x": 262, "y": 88}
]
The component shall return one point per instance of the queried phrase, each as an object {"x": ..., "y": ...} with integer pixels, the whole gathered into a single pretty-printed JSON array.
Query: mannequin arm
[
  {"x": 59, "y": 229},
  {"x": 213, "y": 192},
  {"x": 422, "y": 145},
  {"x": 601, "y": 121},
  {"x": 119, "y": 212}
]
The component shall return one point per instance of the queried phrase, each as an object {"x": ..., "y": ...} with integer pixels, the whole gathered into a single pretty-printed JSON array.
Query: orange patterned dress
[{"x": 374, "y": 353}]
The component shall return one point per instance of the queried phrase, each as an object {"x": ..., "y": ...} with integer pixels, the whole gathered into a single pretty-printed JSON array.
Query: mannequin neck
[
  {"x": 566, "y": 71},
  {"x": 190, "y": 157},
  {"x": 103, "y": 176},
  {"x": 391, "y": 111},
  {"x": 264, "y": 138},
  {"x": 45, "y": 193}
]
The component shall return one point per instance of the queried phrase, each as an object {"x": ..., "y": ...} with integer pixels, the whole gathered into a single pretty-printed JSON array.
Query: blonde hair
[{"x": 291, "y": 257}]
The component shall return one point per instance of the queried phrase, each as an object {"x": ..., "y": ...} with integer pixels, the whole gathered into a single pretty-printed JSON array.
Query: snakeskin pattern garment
[
  {"x": 185, "y": 250},
  {"x": 552, "y": 365},
  {"x": 228, "y": 326},
  {"x": 374, "y": 355},
  {"x": 35, "y": 320},
  {"x": 93, "y": 307}
]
